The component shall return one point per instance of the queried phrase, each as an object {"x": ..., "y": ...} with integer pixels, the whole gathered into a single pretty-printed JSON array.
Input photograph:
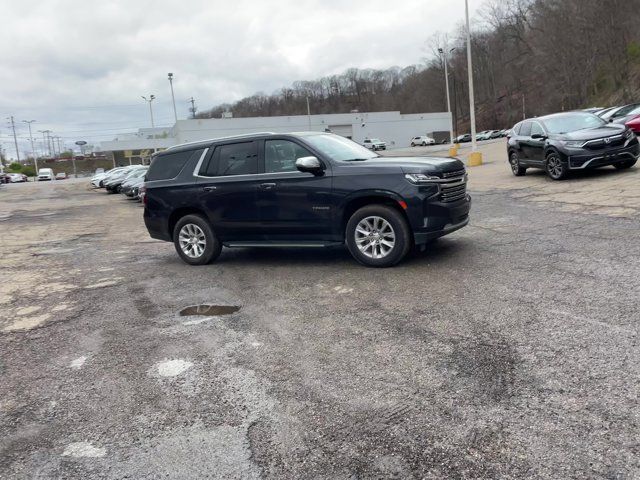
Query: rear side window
[
  {"x": 238, "y": 159},
  {"x": 169, "y": 165}
]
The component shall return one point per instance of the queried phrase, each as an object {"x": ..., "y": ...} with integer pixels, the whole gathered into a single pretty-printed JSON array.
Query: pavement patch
[
  {"x": 209, "y": 310},
  {"x": 27, "y": 323},
  {"x": 78, "y": 362},
  {"x": 171, "y": 368},
  {"x": 83, "y": 450}
]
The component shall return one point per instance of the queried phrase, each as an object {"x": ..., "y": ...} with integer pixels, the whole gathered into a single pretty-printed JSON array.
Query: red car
[{"x": 634, "y": 124}]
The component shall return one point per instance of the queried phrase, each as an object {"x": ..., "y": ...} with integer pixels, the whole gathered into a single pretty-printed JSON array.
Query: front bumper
[
  {"x": 442, "y": 218},
  {"x": 612, "y": 156}
]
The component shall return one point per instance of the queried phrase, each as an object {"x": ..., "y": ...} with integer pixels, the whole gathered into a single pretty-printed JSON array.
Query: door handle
[
  {"x": 267, "y": 186},
  {"x": 209, "y": 189}
]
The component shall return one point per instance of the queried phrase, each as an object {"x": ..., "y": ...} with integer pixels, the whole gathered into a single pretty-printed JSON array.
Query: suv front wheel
[
  {"x": 195, "y": 241},
  {"x": 378, "y": 236},
  {"x": 556, "y": 169}
]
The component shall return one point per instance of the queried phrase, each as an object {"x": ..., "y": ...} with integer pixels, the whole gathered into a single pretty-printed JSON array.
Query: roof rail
[{"x": 230, "y": 137}]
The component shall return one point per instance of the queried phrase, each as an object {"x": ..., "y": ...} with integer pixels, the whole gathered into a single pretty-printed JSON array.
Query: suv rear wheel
[
  {"x": 195, "y": 241},
  {"x": 378, "y": 236}
]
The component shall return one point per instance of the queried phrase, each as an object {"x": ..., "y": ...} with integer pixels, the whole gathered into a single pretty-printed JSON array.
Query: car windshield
[
  {"x": 375, "y": 139},
  {"x": 339, "y": 148},
  {"x": 572, "y": 122}
]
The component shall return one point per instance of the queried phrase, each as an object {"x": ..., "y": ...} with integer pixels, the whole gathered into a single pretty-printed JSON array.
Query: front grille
[
  {"x": 599, "y": 144},
  {"x": 455, "y": 188},
  {"x": 457, "y": 173}
]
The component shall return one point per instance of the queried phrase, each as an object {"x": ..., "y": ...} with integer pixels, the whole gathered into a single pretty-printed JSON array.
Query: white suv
[
  {"x": 374, "y": 144},
  {"x": 422, "y": 140},
  {"x": 45, "y": 174}
]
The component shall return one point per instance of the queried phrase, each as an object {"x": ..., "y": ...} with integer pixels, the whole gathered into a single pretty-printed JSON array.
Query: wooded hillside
[{"x": 545, "y": 55}]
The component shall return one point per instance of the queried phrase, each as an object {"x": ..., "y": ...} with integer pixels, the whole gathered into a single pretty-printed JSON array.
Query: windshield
[
  {"x": 572, "y": 122},
  {"x": 339, "y": 148}
]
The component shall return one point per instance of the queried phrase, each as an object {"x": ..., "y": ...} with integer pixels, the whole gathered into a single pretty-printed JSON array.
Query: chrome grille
[{"x": 455, "y": 187}]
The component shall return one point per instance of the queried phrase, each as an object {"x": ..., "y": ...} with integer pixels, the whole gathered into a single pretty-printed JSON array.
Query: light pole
[
  {"x": 308, "y": 113},
  {"x": 444, "y": 54},
  {"x": 173, "y": 99},
  {"x": 475, "y": 158},
  {"x": 33, "y": 150},
  {"x": 15, "y": 139},
  {"x": 149, "y": 100}
]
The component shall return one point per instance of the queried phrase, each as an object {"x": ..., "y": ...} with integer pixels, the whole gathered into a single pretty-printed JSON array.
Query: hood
[
  {"x": 415, "y": 164},
  {"x": 608, "y": 130}
]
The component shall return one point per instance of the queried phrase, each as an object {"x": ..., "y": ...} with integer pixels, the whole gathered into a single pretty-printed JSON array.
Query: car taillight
[{"x": 142, "y": 192}]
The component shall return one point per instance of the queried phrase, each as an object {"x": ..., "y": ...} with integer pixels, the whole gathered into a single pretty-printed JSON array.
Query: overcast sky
[{"x": 79, "y": 67}]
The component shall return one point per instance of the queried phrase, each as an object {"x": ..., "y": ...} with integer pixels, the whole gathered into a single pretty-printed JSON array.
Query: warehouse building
[{"x": 395, "y": 128}]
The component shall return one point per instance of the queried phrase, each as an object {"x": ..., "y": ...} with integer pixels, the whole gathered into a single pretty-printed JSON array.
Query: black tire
[
  {"x": 624, "y": 165},
  {"x": 212, "y": 246},
  {"x": 413, "y": 144},
  {"x": 555, "y": 167},
  {"x": 402, "y": 236},
  {"x": 514, "y": 162},
  {"x": 424, "y": 144}
]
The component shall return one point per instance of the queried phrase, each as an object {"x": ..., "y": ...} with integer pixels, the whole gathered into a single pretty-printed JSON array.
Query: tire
[
  {"x": 624, "y": 165},
  {"x": 424, "y": 144},
  {"x": 514, "y": 162},
  {"x": 196, "y": 227},
  {"x": 555, "y": 168},
  {"x": 372, "y": 221},
  {"x": 413, "y": 144}
]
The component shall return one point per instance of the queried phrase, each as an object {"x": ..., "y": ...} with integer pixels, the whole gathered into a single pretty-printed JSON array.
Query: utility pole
[
  {"x": 45, "y": 141},
  {"x": 193, "y": 107},
  {"x": 33, "y": 149},
  {"x": 173, "y": 98},
  {"x": 476, "y": 157},
  {"x": 149, "y": 100},
  {"x": 524, "y": 111},
  {"x": 308, "y": 112},
  {"x": 444, "y": 54},
  {"x": 15, "y": 139}
]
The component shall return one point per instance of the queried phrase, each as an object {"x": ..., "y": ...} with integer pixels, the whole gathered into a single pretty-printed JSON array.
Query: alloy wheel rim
[
  {"x": 554, "y": 166},
  {"x": 514, "y": 162},
  {"x": 375, "y": 237},
  {"x": 192, "y": 240}
]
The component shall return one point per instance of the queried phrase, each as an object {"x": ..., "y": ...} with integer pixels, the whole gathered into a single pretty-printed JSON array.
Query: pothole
[{"x": 209, "y": 310}]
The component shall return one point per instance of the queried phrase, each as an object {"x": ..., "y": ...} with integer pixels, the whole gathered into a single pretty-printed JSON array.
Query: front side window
[
  {"x": 281, "y": 155},
  {"x": 525, "y": 129},
  {"x": 238, "y": 159},
  {"x": 536, "y": 128},
  {"x": 339, "y": 148}
]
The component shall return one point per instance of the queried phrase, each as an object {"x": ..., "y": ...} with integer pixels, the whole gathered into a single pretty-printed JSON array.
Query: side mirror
[
  {"x": 538, "y": 136},
  {"x": 309, "y": 165}
]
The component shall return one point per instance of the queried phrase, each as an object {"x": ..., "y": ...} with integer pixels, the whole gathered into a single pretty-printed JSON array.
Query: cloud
[{"x": 79, "y": 67}]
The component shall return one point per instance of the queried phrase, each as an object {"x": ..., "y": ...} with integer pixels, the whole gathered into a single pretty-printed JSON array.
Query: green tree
[{"x": 15, "y": 167}]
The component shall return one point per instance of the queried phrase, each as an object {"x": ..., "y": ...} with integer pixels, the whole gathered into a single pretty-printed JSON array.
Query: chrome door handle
[
  {"x": 267, "y": 186},
  {"x": 209, "y": 189}
]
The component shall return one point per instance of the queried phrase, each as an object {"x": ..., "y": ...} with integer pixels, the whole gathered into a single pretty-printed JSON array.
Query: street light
[
  {"x": 33, "y": 150},
  {"x": 475, "y": 158},
  {"x": 173, "y": 99},
  {"x": 446, "y": 81},
  {"x": 149, "y": 100}
]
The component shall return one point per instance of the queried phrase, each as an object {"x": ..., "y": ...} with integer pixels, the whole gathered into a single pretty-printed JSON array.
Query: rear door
[
  {"x": 521, "y": 141},
  {"x": 293, "y": 205},
  {"x": 228, "y": 182}
]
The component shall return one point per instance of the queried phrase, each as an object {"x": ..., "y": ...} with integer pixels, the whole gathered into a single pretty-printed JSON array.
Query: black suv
[
  {"x": 563, "y": 142},
  {"x": 301, "y": 190}
]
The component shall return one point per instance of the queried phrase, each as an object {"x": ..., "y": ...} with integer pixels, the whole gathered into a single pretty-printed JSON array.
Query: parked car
[
  {"x": 484, "y": 135},
  {"x": 301, "y": 190},
  {"x": 114, "y": 182},
  {"x": 16, "y": 178},
  {"x": 563, "y": 142},
  {"x": 423, "y": 140},
  {"x": 45, "y": 174},
  {"x": 135, "y": 179},
  {"x": 634, "y": 124},
  {"x": 374, "y": 144},
  {"x": 495, "y": 134},
  {"x": 604, "y": 112},
  {"x": 619, "y": 112},
  {"x": 463, "y": 138},
  {"x": 61, "y": 176}
]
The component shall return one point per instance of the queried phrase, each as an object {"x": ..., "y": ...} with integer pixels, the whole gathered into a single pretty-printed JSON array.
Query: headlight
[
  {"x": 628, "y": 133},
  {"x": 420, "y": 178},
  {"x": 573, "y": 143}
]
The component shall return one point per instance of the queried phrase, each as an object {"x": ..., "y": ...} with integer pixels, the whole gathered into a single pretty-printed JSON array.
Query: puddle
[{"x": 209, "y": 310}]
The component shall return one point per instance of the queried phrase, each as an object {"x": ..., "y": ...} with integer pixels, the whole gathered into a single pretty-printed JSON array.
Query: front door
[
  {"x": 293, "y": 205},
  {"x": 228, "y": 185}
]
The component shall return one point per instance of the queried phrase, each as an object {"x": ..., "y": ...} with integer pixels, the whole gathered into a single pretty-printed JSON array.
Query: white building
[{"x": 392, "y": 127}]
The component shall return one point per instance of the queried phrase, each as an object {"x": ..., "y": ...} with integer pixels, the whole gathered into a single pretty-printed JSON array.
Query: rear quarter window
[{"x": 169, "y": 165}]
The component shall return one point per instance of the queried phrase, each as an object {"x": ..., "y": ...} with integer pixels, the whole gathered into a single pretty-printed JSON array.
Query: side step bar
[{"x": 276, "y": 244}]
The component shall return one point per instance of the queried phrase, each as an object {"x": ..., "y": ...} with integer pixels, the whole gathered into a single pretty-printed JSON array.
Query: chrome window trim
[{"x": 199, "y": 164}]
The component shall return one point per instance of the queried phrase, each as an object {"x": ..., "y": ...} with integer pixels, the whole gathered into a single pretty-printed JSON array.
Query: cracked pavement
[{"x": 508, "y": 349}]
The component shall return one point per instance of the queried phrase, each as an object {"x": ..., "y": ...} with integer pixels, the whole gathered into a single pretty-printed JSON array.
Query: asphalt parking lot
[{"x": 508, "y": 349}]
